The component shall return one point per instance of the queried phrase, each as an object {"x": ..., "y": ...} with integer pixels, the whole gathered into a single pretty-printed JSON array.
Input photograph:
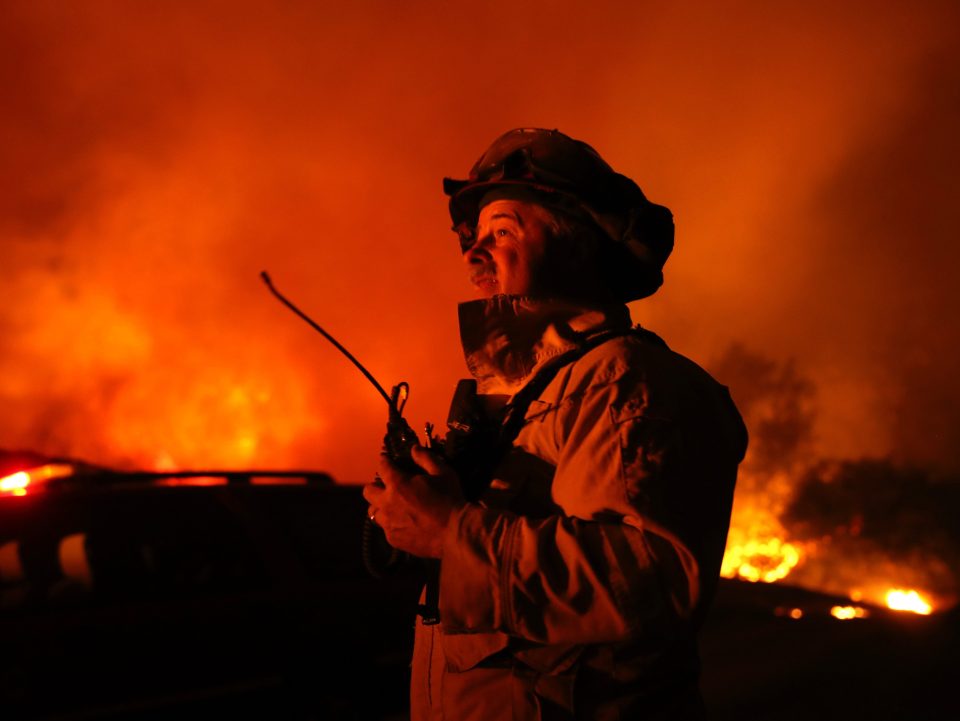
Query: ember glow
[
  {"x": 794, "y": 613},
  {"x": 846, "y": 613}
]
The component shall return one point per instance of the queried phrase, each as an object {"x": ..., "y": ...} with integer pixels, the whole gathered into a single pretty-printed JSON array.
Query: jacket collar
[{"x": 506, "y": 339}]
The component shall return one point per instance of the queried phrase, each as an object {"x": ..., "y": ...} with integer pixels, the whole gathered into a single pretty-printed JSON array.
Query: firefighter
[{"x": 579, "y": 549}]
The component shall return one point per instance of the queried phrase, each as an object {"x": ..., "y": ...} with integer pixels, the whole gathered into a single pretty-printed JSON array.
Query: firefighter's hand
[{"x": 414, "y": 509}]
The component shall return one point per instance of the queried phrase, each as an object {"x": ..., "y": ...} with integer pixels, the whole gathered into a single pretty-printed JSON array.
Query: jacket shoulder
[
  {"x": 640, "y": 357},
  {"x": 641, "y": 375}
]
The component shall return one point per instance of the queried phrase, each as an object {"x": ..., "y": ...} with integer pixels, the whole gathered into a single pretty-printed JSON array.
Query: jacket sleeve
[{"x": 608, "y": 565}]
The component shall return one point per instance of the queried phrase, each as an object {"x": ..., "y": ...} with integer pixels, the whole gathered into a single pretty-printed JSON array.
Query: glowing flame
[
  {"x": 760, "y": 560},
  {"x": 908, "y": 600},
  {"x": 845, "y": 613},
  {"x": 16, "y": 484},
  {"x": 757, "y": 545}
]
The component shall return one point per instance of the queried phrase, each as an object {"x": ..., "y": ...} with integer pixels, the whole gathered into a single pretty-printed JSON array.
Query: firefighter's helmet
[{"x": 568, "y": 176}]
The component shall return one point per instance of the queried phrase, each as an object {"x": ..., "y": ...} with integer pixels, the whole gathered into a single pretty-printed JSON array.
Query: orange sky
[{"x": 157, "y": 156}]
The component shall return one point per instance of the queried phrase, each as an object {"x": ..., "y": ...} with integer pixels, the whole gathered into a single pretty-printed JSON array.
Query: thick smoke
[
  {"x": 778, "y": 404},
  {"x": 874, "y": 522},
  {"x": 892, "y": 293},
  {"x": 157, "y": 156}
]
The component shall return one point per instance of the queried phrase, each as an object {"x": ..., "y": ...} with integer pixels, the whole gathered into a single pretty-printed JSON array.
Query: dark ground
[
  {"x": 764, "y": 667},
  {"x": 250, "y": 601}
]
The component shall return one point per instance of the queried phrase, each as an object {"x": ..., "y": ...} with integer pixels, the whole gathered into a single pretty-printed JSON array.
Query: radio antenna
[{"x": 334, "y": 341}]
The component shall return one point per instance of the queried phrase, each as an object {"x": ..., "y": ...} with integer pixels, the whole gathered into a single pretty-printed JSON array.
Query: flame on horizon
[{"x": 900, "y": 599}]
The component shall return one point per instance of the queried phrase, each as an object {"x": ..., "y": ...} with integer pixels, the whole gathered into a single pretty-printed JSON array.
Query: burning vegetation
[{"x": 870, "y": 529}]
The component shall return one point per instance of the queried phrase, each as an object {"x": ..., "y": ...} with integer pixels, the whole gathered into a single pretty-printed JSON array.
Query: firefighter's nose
[{"x": 478, "y": 251}]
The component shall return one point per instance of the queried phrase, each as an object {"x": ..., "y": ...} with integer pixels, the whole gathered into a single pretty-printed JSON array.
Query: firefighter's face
[{"x": 509, "y": 250}]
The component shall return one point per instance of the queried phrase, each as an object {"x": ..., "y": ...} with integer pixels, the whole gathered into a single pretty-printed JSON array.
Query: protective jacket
[{"x": 574, "y": 588}]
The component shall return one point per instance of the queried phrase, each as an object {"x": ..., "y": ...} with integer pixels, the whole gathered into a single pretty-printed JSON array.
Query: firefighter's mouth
[{"x": 484, "y": 280}]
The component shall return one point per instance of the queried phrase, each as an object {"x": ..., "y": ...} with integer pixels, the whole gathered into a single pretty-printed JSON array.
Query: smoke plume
[{"x": 157, "y": 156}]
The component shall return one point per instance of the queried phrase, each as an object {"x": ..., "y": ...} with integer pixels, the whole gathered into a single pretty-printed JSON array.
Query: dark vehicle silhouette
[{"x": 142, "y": 595}]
